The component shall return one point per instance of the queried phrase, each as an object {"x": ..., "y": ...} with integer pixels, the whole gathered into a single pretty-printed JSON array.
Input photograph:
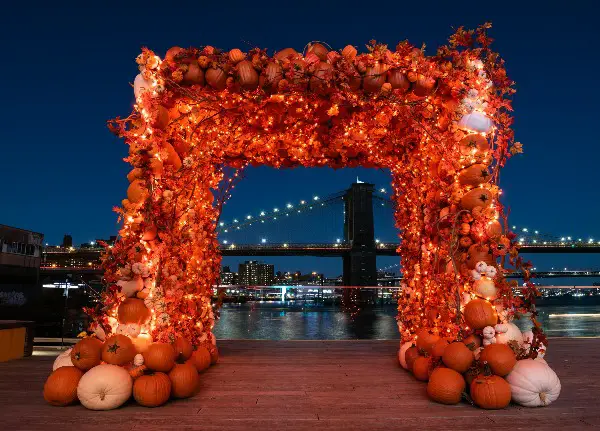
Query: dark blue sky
[{"x": 66, "y": 69}]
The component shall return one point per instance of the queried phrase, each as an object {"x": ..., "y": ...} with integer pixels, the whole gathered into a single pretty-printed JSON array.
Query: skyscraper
[{"x": 254, "y": 273}]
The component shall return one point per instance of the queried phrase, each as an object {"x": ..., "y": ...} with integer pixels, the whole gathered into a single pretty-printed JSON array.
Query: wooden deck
[{"x": 333, "y": 385}]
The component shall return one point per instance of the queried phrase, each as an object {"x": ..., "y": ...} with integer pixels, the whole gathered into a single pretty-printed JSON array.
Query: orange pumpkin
[
  {"x": 60, "y": 388},
  {"x": 118, "y": 350},
  {"x": 445, "y": 386},
  {"x": 87, "y": 353},
  {"x": 319, "y": 82},
  {"x": 285, "y": 54},
  {"x": 160, "y": 117},
  {"x": 474, "y": 175},
  {"x": 478, "y": 197},
  {"x": 159, "y": 357},
  {"x": 374, "y": 78},
  {"x": 133, "y": 310},
  {"x": 410, "y": 356},
  {"x": 474, "y": 145},
  {"x": 490, "y": 392},
  {"x": 247, "y": 75},
  {"x": 479, "y": 313},
  {"x": 134, "y": 174},
  {"x": 236, "y": 55},
  {"x": 479, "y": 253},
  {"x": 194, "y": 75},
  {"x": 349, "y": 52},
  {"x": 424, "y": 86},
  {"x": 421, "y": 368},
  {"x": 319, "y": 50},
  {"x": 212, "y": 349},
  {"x": 458, "y": 357},
  {"x": 200, "y": 359},
  {"x": 136, "y": 192},
  {"x": 439, "y": 347},
  {"x": 493, "y": 228},
  {"x": 473, "y": 342},
  {"x": 397, "y": 78},
  {"x": 183, "y": 348},
  {"x": 499, "y": 357},
  {"x": 152, "y": 390},
  {"x": 184, "y": 380},
  {"x": 426, "y": 341},
  {"x": 173, "y": 158},
  {"x": 270, "y": 77},
  {"x": 216, "y": 78}
]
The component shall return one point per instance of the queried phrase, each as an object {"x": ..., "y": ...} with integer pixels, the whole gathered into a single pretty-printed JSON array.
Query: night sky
[{"x": 68, "y": 68}]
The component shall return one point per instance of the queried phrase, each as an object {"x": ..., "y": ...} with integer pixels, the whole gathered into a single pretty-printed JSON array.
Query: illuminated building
[{"x": 254, "y": 273}]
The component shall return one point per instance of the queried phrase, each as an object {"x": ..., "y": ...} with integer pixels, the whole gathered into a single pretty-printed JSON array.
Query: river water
[{"x": 308, "y": 321}]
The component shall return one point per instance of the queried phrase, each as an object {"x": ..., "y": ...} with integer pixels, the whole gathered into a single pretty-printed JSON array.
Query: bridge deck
[{"x": 272, "y": 385}]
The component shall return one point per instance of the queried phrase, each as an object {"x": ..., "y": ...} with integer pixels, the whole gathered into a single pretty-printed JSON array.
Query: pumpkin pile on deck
[
  {"x": 104, "y": 375},
  {"x": 490, "y": 365}
]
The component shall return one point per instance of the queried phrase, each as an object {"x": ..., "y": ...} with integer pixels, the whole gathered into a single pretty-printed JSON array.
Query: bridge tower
[{"x": 359, "y": 264}]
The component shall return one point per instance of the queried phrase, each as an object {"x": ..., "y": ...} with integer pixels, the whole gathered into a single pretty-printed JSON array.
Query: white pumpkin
[
  {"x": 104, "y": 387},
  {"x": 475, "y": 274},
  {"x": 140, "y": 84},
  {"x": 533, "y": 383},
  {"x": 485, "y": 287},
  {"x": 488, "y": 341},
  {"x": 401, "y": 353},
  {"x": 63, "y": 360},
  {"x": 506, "y": 332},
  {"x": 130, "y": 287},
  {"x": 476, "y": 122}
]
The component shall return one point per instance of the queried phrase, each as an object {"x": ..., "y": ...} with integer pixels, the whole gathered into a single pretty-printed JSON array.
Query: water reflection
[{"x": 301, "y": 320}]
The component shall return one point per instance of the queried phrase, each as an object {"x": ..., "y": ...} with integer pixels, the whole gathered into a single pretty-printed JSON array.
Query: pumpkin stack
[{"x": 93, "y": 369}]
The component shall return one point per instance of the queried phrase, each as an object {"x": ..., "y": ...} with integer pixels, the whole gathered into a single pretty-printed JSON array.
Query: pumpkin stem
[{"x": 543, "y": 398}]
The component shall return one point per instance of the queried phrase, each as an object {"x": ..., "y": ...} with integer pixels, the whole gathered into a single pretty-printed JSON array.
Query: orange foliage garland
[{"x": 202, "y": 115}]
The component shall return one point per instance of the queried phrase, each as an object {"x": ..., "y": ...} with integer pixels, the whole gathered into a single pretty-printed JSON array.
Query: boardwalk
[{"x": 312, "y": 385}]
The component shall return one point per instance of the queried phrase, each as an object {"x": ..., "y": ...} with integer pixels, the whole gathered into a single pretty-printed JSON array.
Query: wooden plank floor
[{"x": 276, "y": 385}]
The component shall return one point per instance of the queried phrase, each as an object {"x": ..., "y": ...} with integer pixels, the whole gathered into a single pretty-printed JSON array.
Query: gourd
[
  {"x": 349, "y": 52},
  {"x": 499, "y": 357},
  {"x": 160, "y": 357},
  {"x": 458, "y": 357},
  {"x": 401, "y": 353},
  {"x": 184, "y": 380},
  {"x": 87, "y": 353},
  {"x": 133, "y": 310},
  {"x": 490, "y": 392},
  {"x": 60, "y": 388},
  {"x": 152, "y": 390},
  {"x": 236, "y": 55},
  {"x": 445, "y": 386},
  {"x": 533, "y": 383},
  {"x": 118, "y": 350},
  {"x": 104, "y": 387},
  {"x": 63, "y": 360},
  {"x": 479, "y": 313},
  {"x": 136, "y": 192}
]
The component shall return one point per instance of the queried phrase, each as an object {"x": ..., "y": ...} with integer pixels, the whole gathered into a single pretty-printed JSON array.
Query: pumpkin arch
[{"x": 440, "y": 124}]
